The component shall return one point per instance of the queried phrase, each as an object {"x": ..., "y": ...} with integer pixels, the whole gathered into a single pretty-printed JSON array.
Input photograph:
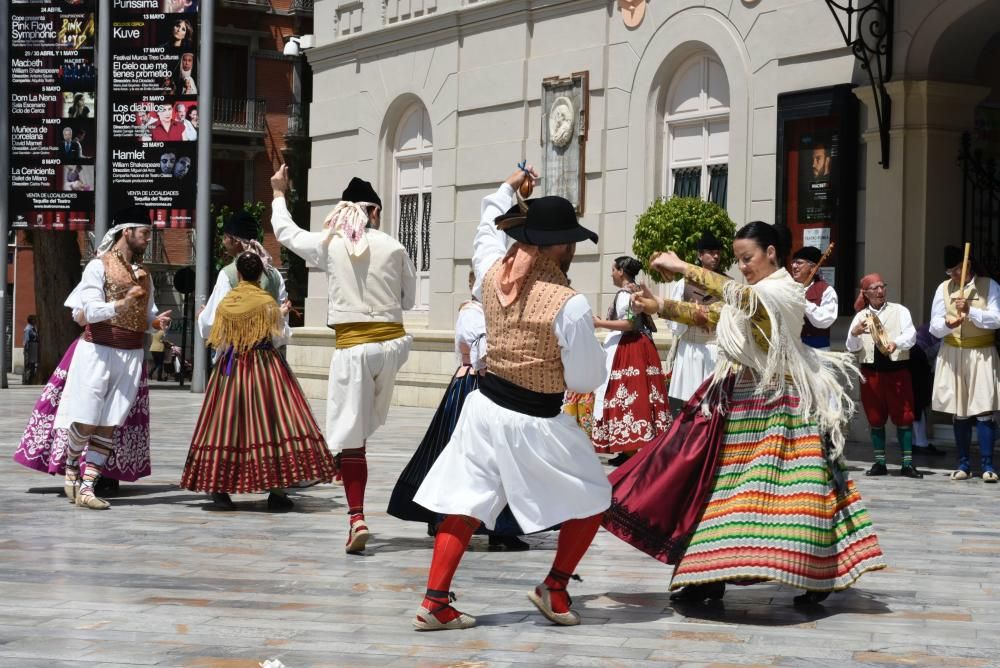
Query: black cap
[
  {"x": 708, "y": 242},
  {"x": 549, "y": 221},
  {"x": 359, "y": 190},
  {"x": 135, "y": 215},
  {"x": 953, "y": 256},
  {"x": 809, "y": 254},
  {"x": 241, "y": 225}
]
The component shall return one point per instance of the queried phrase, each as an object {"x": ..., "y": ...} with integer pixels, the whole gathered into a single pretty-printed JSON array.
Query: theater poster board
[{"x": 817, "y": 185}]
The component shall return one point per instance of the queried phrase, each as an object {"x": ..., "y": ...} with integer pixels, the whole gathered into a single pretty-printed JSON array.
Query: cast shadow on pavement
[{"x": 771, "y": 605}]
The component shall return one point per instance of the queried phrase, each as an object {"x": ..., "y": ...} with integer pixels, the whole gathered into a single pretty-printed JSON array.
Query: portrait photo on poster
[{"x": 817, "y": 163}]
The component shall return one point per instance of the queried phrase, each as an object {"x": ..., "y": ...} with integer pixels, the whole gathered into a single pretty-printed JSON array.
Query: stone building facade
[{"x": 435, "y": 101}]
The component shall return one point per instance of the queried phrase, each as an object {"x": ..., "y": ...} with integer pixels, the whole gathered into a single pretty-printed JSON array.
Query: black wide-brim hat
[
  {"x": 953, "y": 256},
  {"x": 359, "y": 190},
  {"x": 132, "y": 215},
  {"x": 809, "y": 254},
  {"x": 549, "y": 221},
  {"x": 241, "y": 225},
  {"x": 709, "y": 242}
]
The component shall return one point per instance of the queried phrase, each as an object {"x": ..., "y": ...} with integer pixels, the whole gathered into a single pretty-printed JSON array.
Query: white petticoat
[
  {"x": 360, "y": 390},
  {"x": 100, "y": 387},
  {"x": 693, "y": 364},
  {"x": 545, "y": 468}
]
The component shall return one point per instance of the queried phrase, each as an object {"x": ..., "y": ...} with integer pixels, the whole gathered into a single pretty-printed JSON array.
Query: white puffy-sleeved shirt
[
  {"x": 470, "y": 329},
  {"x": 88, "y": 297},
  {"x": 905, "y": 340},
  {"x": 377, "y": 287},
  {"x": 582, "y": 355},
  {"x": 987, "y": 318},
  {"x": 824, "y": 314}
]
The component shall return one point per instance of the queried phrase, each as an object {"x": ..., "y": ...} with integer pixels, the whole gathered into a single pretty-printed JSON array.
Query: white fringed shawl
[{"x": 823, "y": 379}]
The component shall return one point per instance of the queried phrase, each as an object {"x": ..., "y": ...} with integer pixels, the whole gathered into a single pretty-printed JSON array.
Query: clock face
[
  {"x": 633, "y": 12},
  {"x": 562, "y": 121}
]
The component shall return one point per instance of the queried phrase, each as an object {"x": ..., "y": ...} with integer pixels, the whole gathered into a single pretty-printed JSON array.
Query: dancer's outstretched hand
[
  {"x": 279, "y": 182},
  {"x": 644, "y": 300},
  {"x": 162, "y": 321}
]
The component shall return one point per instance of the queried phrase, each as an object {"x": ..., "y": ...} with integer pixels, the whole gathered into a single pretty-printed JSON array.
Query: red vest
[{"x": 814, "y": 294}]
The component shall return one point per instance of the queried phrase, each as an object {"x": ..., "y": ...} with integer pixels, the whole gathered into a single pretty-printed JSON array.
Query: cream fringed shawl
[{"x": 823, "y": 379}]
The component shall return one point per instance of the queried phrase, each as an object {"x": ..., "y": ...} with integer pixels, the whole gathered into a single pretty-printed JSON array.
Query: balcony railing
[
  {"x": 302, "y": 5},
  {"x": 251, "y": 4},
  {"x": 238, "y": 115},
  {"x": 297, "y": 124}
]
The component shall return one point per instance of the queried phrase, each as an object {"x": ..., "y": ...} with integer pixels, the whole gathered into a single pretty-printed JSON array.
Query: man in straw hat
[
  {"x": 821, "y": 298},
  {"x": 695, "y": 349},
  {"x": 239, "y": 234},
  {"x": 887, "y": 390},
  {"x": 371, "y": 281},
  {"x": 114, "y": 301},
  {"x": 512, "y": 444},
  {"x": 967, "y": 374}
]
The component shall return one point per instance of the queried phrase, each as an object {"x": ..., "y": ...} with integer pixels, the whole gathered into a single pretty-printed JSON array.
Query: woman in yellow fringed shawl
[{"x": 256, "y": 432}]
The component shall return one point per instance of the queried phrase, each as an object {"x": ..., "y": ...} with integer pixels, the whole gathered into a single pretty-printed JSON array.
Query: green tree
[{"x": 676, "y": 224}]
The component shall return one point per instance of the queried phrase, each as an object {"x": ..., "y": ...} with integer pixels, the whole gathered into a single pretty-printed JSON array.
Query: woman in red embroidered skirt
[
  {"x": 631, "y": 408},
  {"x": 256, "y": 432}
]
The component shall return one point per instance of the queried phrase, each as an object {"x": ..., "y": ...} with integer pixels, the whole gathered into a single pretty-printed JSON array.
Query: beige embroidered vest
[
  {"x": 521, "y": 343},
  {"x": 118, "y": 279},
  {"x": 890, "y": 319},
  {"x": 967, "y": 335}
]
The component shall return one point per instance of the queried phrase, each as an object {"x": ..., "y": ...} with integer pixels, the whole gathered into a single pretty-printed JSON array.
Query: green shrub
[{"x": 676, "y": 224}]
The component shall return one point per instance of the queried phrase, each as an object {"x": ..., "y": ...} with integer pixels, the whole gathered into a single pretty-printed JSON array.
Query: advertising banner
[
  {"x": 52, "y": 112},
  {"x": 154, "y": 108}
]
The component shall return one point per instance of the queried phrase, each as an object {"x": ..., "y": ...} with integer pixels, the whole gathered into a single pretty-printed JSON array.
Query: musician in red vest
[{"x": 821, "y": 298}]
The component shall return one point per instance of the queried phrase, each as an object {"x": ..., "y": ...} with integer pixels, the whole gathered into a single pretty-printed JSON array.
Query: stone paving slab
[{"x": 159, "y": 580}]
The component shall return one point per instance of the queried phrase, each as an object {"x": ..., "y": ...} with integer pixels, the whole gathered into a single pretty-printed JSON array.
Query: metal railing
[
  {"x": 981, "y": 204},
  {"x": 263, "y": 4},
  {"x": 297, "y": 124},
  {"x": 302, "y": 5},
  {"x": 235, "y": 114}
]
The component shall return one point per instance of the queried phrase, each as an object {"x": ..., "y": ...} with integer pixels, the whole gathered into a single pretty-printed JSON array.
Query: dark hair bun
[
  {"x": 250, "y": 266},
  {"x": 628, "y": 265}
]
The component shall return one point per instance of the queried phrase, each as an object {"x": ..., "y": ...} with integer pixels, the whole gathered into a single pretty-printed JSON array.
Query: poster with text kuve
[
  {"x": 52, "y": 110},
  {"x": 153, "y": 120}
]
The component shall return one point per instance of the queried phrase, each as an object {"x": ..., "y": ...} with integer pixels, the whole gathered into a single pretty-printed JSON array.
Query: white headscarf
[
  {"x": 349, "y": 220},
  {"x": 108, "y": 241}
]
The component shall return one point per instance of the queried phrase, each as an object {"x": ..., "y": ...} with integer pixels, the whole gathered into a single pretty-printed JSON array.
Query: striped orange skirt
[{"x": 256, "y": 431}]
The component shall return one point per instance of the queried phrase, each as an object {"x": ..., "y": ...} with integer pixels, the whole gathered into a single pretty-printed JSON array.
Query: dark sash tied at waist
[
  {"x": 520, "y": 399},
  {"x": 105, "y": 334}
]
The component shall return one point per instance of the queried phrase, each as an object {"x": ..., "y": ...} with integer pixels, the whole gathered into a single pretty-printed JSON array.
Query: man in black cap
[
  {"x": 240, "y": 233},
  {"x": 371, "y": 281},
  {"x": 512, "y": 445},
  {"x": 694, "y": 351},
  {"x": 821, "y": 298},
  {"x": 967, "y": 373}
]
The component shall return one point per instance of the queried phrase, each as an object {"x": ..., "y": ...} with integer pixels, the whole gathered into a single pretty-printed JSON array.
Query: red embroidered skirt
[
  {"x": 256, "y": 431},
  {"x": 635, "y": 405}
]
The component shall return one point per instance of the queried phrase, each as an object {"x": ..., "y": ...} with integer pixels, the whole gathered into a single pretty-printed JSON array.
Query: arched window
[
  {"x": 696, "y": 131},
  {"x": 412, "y": 158}
]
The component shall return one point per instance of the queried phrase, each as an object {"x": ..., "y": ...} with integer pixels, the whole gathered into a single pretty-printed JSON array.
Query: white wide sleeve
[
  {"x": 409, "y": 286},
  {"x": 622, "y": 302},
  {"x": 88, "y": 296},
  {"x": 583, "y": 357},
  {"x": 490, "y": 244},
  {"x": 854, "y": 343},
  {"x": 151, "y": 310},
  {"x": 676, "y": 293},
  {"x": 825, "y": 314},
  {"x": 907, "y": 332},
  {"x": 989, "y": 317},
  {"x": 470, "y": 329},
  {"x": 307, "y": 245},
  {"x": 207, "y": 316},
  {"x": 937, "y": 325}
]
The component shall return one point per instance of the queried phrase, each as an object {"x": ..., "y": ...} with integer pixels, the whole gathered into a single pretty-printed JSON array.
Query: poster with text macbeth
[
  {"x": 52, "y": 111},
  {"x": 154, "y": 108}
]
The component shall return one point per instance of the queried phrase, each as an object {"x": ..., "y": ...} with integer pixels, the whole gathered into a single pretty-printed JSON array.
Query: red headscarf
[{"x": 866, "y": 282}]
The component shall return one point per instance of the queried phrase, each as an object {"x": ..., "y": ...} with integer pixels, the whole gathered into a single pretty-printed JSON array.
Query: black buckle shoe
[
  {"x": 697, "y": 593},
  {"x": 877, "y": 468},
  {"x": 221, "y": 501},
  {"x": 910, "y": 471},
  {"x": 279, "y": 502},
  {"x": 507, "y": 543},
  {"x": 810, "y": 598}
]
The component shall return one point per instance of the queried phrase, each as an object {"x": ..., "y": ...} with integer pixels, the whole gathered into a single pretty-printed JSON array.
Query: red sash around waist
[{"x": 112, "y": 336}]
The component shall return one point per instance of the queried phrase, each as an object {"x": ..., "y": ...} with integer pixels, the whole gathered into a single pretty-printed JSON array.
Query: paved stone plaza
[{"x": 160, "y": 581}]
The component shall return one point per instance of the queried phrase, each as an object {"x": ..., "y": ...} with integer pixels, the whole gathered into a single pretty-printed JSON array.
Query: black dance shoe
[
  {"x": 810, "y": 598},
  {"x": 910, "y": 471},
  {"x": 507, "y": 544},
  {"x": 713, "y": 591},
  {"x": 106, "y": 487},
  {"x": 620, "y": 459},
  {"x": 221, "y": 501},
  {"x": 279, "y": 502},
  {"x": 877, "y": 468}
]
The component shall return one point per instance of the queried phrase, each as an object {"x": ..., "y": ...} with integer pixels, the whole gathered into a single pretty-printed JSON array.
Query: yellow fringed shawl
[{"x": 245, "y": 317}]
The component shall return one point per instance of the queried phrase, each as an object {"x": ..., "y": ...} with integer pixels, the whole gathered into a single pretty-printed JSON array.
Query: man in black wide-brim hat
[{"x": 511, "y": 445}]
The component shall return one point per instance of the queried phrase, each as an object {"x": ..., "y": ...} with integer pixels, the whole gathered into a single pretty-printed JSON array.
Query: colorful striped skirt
[
  {"x": 256, "y": 431},
  {"x": 774, "y": 512}
]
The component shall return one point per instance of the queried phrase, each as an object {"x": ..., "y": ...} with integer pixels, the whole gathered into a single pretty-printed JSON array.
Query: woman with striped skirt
[
  {"x": 742, "y": 489},
  {"x": 256, "y": 432}
]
